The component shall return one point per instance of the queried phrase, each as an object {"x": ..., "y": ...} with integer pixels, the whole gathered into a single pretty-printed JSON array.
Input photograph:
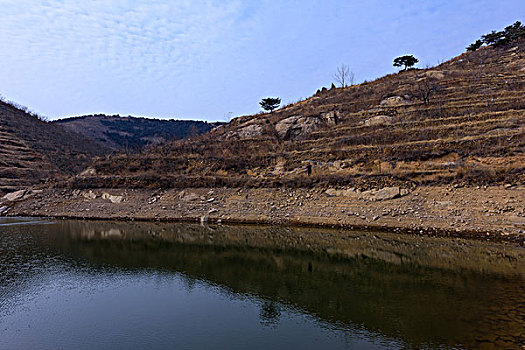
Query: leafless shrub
[{"x": 344, "y": 75}]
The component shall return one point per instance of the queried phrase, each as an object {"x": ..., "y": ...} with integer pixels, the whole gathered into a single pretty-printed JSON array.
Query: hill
[
  {"x": 33, "y": 150},
  {"x": 459, "y": 122},
  {"x": 132, "y": 133}
]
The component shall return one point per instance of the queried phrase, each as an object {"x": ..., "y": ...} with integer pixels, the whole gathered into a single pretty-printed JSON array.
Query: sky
[{"x": 211, "y": 59}]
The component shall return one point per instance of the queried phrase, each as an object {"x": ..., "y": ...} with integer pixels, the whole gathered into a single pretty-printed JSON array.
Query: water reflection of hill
[{"x": 426, "y": 291}]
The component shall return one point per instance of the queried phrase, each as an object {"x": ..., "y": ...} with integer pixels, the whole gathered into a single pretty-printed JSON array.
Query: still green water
[{"x": 109, "y": 285}]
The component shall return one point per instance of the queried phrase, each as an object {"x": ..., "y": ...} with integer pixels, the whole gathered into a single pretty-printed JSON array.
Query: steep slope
[
  {"x": 462, "y": 121},
  {"x": 132, "y": 133},
  {"x": 32, "y": 150}
]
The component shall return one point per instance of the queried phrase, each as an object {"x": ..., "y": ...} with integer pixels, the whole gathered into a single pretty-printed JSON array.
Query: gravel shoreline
[{"x": 495, "y": 213}]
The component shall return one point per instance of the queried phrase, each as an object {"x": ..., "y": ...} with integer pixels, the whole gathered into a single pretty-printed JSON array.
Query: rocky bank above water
[{"x": 491, "y": 213}]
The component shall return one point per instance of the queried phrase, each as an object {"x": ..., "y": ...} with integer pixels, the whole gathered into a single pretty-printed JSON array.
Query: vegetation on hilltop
[
  {"x": 498, "y": 38},
  {"x": 131, "y": 134}
]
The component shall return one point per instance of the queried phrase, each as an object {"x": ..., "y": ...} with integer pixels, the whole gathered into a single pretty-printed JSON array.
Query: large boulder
[
  {"x": 250, "y": 131},
  {"x": 384, "y": 194},
  {"x": 89, "y": 194},
  {"x": 297, "y": 126},
  {"x": 188, "y": 196},
  {"x": 14, "y": 196},
  {"x": 378, "y": 120},
  {"x": 332, "y": 192},
  {"x": 89, "y": 172},
  {"x": 112, "y": 198},
  {"x": 330, "y": 118},
  {"x": 393, "y": 101}
]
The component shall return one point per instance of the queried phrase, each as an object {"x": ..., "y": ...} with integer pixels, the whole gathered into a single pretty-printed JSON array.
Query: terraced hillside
[
  {"x": 33, "y": 150},
  {"x": 462, "y": 121}
]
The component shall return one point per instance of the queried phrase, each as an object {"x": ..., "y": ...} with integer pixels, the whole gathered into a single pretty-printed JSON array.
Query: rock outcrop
[
  {"x": 250, "y": 131},
  {"x": 14, "y": 196},
  {"x": 298, "y": 126},
  {"x": 378, "y": 120},
  {"x": 393, "y": 101}
]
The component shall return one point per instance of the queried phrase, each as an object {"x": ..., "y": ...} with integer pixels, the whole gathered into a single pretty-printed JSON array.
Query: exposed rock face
[
  {"x": 250, "y": 131},
  {"x": 89, "y": 172},
  {"x": 378, "y": 120},
  {"x": 393, "y": 101},
  {"x": 14, "y": 196},
  {"x": 89, "y": 195},
  {"x": 435, "y": 75},
  {"x": 330, "y": 118},
  {"x": 298, "y": 126}
]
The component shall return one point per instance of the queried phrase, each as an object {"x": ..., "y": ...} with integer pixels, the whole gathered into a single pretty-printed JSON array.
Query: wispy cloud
[{"x": 204, "y": 58}]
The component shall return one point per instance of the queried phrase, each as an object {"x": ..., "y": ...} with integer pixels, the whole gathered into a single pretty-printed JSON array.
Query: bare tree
[
  {"x": 344, "y": 75},
  {"x": 425, "y": 89}
]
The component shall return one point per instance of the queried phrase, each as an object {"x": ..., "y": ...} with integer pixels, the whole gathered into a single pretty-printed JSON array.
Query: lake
[{"x": 117, "y": 285}]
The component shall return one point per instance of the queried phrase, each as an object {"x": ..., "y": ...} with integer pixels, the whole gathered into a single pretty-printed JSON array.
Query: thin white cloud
[{"x": 204, "y": 58}]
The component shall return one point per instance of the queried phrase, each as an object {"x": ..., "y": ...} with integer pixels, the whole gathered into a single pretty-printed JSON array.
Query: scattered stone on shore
[
  {"x": 384, "y": 194},
  {"x": 14, "y": 196},
  {"x": 112, "y": 198},
  {"x": 331, "y": 192},
  {"x": 498, "y": 208}
]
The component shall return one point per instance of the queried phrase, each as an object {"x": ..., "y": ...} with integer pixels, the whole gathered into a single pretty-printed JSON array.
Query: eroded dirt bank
[{"x": 490, "y": 213}]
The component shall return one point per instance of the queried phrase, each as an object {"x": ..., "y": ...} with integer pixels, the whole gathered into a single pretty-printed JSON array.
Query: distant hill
[
  {"x": 133, "y": 133},
  {"x": 32, "y": 150}
]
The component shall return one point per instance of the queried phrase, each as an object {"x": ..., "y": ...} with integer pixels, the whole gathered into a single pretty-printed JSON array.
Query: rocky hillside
[
  {"x": 462, "y": 121},
  {"x": 33, "y": 150},
  {"x": 132, "y": 133}
]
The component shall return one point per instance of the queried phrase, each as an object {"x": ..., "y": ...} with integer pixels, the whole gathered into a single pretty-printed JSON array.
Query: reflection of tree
[{"x": 270, "y": 313}]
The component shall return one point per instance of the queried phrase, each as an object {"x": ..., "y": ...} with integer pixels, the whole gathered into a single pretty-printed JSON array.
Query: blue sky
[{"x": 202, "y": 59}]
